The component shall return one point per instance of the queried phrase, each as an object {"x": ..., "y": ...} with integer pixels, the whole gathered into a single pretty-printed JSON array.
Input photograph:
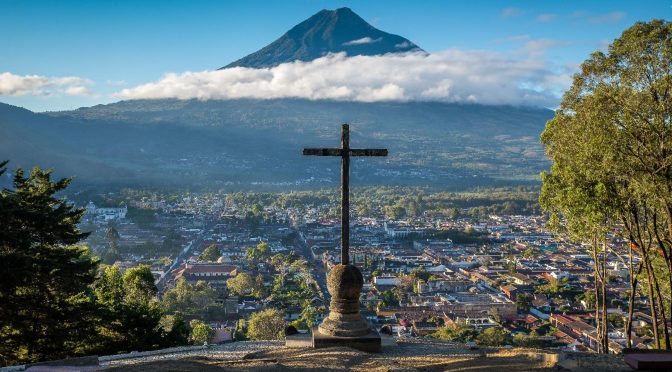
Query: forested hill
[{"x": 242, "y": 144}]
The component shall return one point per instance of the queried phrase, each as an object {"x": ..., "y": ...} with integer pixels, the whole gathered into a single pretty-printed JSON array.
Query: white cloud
[
  {"x": 448, "y": 76},
  {"x": 77, "y": 90},
  {"x": 118, "y": 83},
  {"x": 402, "y": 45},
  {"x": 20, "y": 85},
  {"x": 511, "y": 12},
  {"x": 532, "y": 46},
  {"x": 611, "y": 17},
  {"x": 545, "y": 18},
  {"x": 364, "y": 40}
]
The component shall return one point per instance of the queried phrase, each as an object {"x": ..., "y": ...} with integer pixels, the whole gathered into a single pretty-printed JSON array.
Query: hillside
[{"x": 257, "y": 144}]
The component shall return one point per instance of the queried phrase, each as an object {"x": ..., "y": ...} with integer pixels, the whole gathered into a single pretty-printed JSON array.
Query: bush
[
  {"x": 494, "y": 337},
  {"x": 200, "y": 332}
]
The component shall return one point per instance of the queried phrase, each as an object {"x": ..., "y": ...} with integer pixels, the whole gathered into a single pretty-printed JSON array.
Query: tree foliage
[
  {"x": 267, "y": 324},
  {"x": 524, "y": 302},
  {"x": 200, "y": 332},
  {"x": 240, "y": 284},
  {"x": 258, "y": 253},
  {"x": 130, "y": 314},
  {"x": 46, "y": 309},
  {"x": 456, "y": 332},
  {"x": 612, "y": 161},
  {"x": 210, "y": 253},
  {"x": 188, "y": 298},
  {"x": 495, "y": 336}
]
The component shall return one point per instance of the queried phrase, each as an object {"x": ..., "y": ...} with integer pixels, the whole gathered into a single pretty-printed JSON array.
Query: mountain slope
[
  {"x": 329, "y": 31},
  {"x": 256, "y": 144}
]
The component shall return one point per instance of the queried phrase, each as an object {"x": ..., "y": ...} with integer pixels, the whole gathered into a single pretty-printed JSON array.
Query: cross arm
[
  {"x": 323, "y": 152},
  {"x": 368, "y": 152}
]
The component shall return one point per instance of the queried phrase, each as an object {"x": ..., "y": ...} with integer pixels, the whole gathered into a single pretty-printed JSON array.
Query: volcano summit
[{"x": 328, "y": 31}]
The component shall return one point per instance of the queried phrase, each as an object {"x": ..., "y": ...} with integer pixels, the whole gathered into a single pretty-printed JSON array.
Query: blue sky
[{"x": 111, "y": 45}]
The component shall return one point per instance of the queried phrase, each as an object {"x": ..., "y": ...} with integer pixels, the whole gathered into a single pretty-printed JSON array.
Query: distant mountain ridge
[
  {"x": 328, "y": 31},
  {"x": 256, "y": 144}
]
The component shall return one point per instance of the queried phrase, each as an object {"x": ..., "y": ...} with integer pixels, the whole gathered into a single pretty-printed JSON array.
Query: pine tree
[
  {"x": 112, "y": 255},
  {"x": 46, "y": 310}
]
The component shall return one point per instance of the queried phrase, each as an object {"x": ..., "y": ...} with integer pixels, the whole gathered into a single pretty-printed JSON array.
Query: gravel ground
[
  {"x": 230, "y": 351},
  {"x": 406, "y": 356}
]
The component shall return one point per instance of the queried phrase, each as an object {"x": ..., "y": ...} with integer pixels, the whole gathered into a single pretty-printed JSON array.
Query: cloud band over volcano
[{"x": 448, "y": 76}]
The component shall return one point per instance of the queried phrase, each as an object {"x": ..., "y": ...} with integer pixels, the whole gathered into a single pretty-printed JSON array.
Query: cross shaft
[{"x": 345, "y": 152}]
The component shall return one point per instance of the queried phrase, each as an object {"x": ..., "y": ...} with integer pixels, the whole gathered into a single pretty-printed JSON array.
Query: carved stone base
[
  {"x": 369, "y": 342},
  {"x": 344, "y": 320},
  {"x": 344, "y": 283}
]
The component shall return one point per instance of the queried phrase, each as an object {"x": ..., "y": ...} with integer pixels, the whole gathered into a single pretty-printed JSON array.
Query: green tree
[
  {"x": 455, "y": 332},
  {"x": 178, "y": 330},
  {"x": 494, "y": 314},
  {"x": 139, "y": 284},
  {"x": 259, "y": 253},
  {"x": 609, "y": 143},
  {"x": 240, "y": 334},
  {"x": 46, "y": 311},
  {"x": 588, "y": 298},
  {"x": 420, "y": 273},
  {"x": 129, "y": 313},
  {"x": 495, "y": 336},
  {"x": 112, "y": 255},
  {"x": 523, "y": 302},
  {"x": 240, "y": 284},
  {"x": 552, "y": 288},
  {"x": 259, "y": 289},
  {"x": 200, "y": 332},
  {"x": 267, "y": 324},
  {"x": 189, "y": 299},
  {"x": 530, "y": 253},
  {"x": 210, "y": 253},
  {"x": 389, "y": 298}
]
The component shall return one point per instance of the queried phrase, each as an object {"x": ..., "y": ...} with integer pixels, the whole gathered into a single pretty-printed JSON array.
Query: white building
[{"x": 105, "y": 214}]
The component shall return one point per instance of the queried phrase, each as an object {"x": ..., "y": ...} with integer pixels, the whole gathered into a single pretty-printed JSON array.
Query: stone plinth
[
  {"x": 344, "y": 326},
  {"x": 299, "y": 340},
  {"x": 369, "y": 342}
]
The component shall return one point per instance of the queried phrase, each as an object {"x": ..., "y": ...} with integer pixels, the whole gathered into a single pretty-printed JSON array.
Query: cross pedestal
[{"x": 344, "y": 326}]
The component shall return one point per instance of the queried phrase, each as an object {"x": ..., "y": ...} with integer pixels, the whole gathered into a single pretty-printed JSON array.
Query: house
[
  {"x": 423, "y": 328},
  {"x": 215, "y": 274},
  {"x": 385, "y": 281},
  {"x": 521, "y": 279}
]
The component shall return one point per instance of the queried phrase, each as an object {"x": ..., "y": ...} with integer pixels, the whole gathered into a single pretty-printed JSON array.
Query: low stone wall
[
  {"x": 141, "y": 354},
  {"x": 591, "y": 362}
]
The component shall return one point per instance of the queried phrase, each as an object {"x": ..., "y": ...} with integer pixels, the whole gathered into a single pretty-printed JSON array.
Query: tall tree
[
  {"x": 46, "y": 307},
  {"x": 610, "y": 143},
  {"x": 112, "y": 255},
  {"x": 130, "y": 314}
]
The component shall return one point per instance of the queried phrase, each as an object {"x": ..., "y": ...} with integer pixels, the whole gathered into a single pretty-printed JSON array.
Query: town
[{"x": 459, "y": 274}]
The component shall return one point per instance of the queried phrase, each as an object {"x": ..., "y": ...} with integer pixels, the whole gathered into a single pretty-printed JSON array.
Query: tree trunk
[
  {"x": 661, "y": 307},
  {"x": 652, "y": 301},
  {"x": 605, "y": 323}
]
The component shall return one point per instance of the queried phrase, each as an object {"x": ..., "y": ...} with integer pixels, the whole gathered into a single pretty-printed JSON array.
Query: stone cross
[
  {"x": 345, "y": 326},
  {"x": 345, "y": 152}
]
